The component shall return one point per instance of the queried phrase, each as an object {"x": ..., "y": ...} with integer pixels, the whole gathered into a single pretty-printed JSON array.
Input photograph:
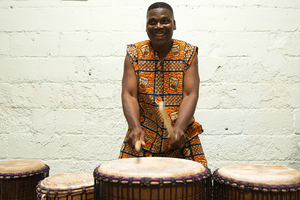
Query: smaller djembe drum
[
  {"x": 256, "y": 182},
  {"x": 18, "y": 178},
  {"x": 71, "y": 186},
  {"x": 152, "y": 178}
]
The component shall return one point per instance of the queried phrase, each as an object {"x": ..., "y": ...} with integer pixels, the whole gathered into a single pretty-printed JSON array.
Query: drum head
[
  {"x": 151, "y": 167},
  {"x": 20, "y": 166},
  {"x": 66, "y": 181},
  {"x": 261, "y": 174}
]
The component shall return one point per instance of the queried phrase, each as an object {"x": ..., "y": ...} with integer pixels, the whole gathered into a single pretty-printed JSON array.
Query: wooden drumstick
[
  {"x": 138, "y": 145},
  {"x": 166, "y": 120}
]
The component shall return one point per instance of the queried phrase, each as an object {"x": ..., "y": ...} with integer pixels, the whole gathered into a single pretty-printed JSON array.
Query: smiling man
[{"x": 161, "y": 69}]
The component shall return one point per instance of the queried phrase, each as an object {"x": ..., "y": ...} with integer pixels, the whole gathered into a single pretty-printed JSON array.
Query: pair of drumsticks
[{"x": 167, "y": 122}]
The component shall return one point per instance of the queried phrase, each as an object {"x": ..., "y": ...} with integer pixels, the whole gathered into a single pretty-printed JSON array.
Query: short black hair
[{"x": 160, "y": 5}]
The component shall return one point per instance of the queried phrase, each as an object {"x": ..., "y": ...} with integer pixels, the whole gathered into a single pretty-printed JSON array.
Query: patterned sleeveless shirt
[{"x": 161, "y": 81}]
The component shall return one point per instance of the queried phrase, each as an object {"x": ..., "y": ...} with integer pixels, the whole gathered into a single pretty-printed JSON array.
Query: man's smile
[{"x": 159, "y": 34}]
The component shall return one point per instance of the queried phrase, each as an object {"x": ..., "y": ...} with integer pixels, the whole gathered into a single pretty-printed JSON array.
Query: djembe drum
[
  {"x": 72, "y": 186},
  {"x": 152, "y": 178},
  {"x": 18, "y": 178},
  {"x": 256, "y": 182}
]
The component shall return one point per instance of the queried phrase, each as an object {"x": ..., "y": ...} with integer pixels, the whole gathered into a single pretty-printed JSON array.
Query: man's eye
[
  {"x": 151, "y": 22},
  {"x": 165, "y": 21}
]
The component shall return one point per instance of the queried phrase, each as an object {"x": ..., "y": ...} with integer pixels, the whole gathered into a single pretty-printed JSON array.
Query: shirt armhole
[{"x": 190, "y": 55}]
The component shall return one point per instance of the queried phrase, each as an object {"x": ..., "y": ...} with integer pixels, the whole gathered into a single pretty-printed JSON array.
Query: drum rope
[
  {"x": 103, "y": 181},
  {"x": 55, "y": 192},
  {"x": 44, "y": 170},
  {"x": 255, "y": 187},
  {"x": 150, "y": 181}
]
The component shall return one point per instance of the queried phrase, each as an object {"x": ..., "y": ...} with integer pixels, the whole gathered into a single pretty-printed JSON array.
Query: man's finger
[{"x": 142, "y": 138}]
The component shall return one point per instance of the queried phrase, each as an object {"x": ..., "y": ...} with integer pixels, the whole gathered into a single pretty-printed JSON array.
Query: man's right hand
[{"x": 134, "y": 135}]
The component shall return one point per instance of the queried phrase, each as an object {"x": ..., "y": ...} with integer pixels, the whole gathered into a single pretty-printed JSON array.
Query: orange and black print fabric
[{"x": 160, "y": 81}]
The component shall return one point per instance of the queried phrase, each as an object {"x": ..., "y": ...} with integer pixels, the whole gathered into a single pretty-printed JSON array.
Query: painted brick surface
[
  {"x": 34, "y": 44},
  {"x": 61, "y": 67}
]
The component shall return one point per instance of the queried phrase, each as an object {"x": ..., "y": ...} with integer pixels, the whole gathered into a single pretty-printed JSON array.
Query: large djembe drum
[
  {"x": 256, "y": 182},
  {"x": 152, "y": 179},
  {"x": 18, "y": 178},
  {"x": 71, "y": 186}
]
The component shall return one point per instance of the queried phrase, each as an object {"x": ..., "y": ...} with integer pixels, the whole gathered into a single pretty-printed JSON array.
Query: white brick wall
[{"x": 61, "y": 65}]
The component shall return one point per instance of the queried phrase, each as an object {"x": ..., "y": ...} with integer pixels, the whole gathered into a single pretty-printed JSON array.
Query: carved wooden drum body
[
  {"x": 18, "y": 178},
  {"x": 152, "y": 178},
  {"x": 72, "y": 186},
  {"x": 256, "y": 182}
]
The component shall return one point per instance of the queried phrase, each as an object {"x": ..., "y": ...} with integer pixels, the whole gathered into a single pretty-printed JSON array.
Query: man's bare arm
[
  {"x": 130, "y": 103},
  {"x": 187, "y": 108}
]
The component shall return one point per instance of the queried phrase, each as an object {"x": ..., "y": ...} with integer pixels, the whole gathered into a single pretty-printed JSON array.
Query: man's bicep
[
  {"x": 129, "y": 82},
  {"x": 191, "y": 78}
]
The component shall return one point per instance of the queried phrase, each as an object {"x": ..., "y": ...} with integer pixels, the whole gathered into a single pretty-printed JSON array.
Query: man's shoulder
[
  {"x": 139, "y": 44},
  {"x": 139, "y": 49},
  {"x": 183, "y": 43}
]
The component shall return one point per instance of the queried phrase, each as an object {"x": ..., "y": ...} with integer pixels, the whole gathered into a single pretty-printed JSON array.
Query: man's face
[{"x": 160, "y": 26}]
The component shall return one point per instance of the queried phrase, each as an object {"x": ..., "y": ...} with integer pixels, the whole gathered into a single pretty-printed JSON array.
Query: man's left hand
[{"x": 180, "y": 139}]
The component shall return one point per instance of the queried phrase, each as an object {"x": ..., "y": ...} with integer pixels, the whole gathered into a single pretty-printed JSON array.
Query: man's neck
[{"x": 163, "y": 50}]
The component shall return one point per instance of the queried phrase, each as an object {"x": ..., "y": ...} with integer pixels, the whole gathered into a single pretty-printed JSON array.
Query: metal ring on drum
[{"x": 152, "y": 178}]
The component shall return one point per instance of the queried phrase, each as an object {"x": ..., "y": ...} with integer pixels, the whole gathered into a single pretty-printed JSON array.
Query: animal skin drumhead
[
  {"x": 20, "y": 166},
  {"x": 151, "y": 167},
  {"x": 261, "y": 174}
]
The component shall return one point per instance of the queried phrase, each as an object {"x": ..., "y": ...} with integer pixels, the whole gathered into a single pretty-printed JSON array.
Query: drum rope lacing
[
  {"x": 44, "y": 170},
  {"x": 250, "y": 186},
  {"x": 64, "y": 192},
  {"x": 151, "y": 181}
]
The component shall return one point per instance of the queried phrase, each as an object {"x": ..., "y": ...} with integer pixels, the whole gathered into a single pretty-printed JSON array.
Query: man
[{"x": 161, "y": 69}]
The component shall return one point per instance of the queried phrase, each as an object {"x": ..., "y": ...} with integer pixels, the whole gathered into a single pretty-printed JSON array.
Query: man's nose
[{"x": 158, "y": 25}]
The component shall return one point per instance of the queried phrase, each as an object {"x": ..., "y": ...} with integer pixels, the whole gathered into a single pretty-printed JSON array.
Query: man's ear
[{"x": 174, "y": 25}]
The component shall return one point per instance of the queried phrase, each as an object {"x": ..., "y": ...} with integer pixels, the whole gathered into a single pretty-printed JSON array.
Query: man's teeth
[{"x": 161, "y": 34}]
